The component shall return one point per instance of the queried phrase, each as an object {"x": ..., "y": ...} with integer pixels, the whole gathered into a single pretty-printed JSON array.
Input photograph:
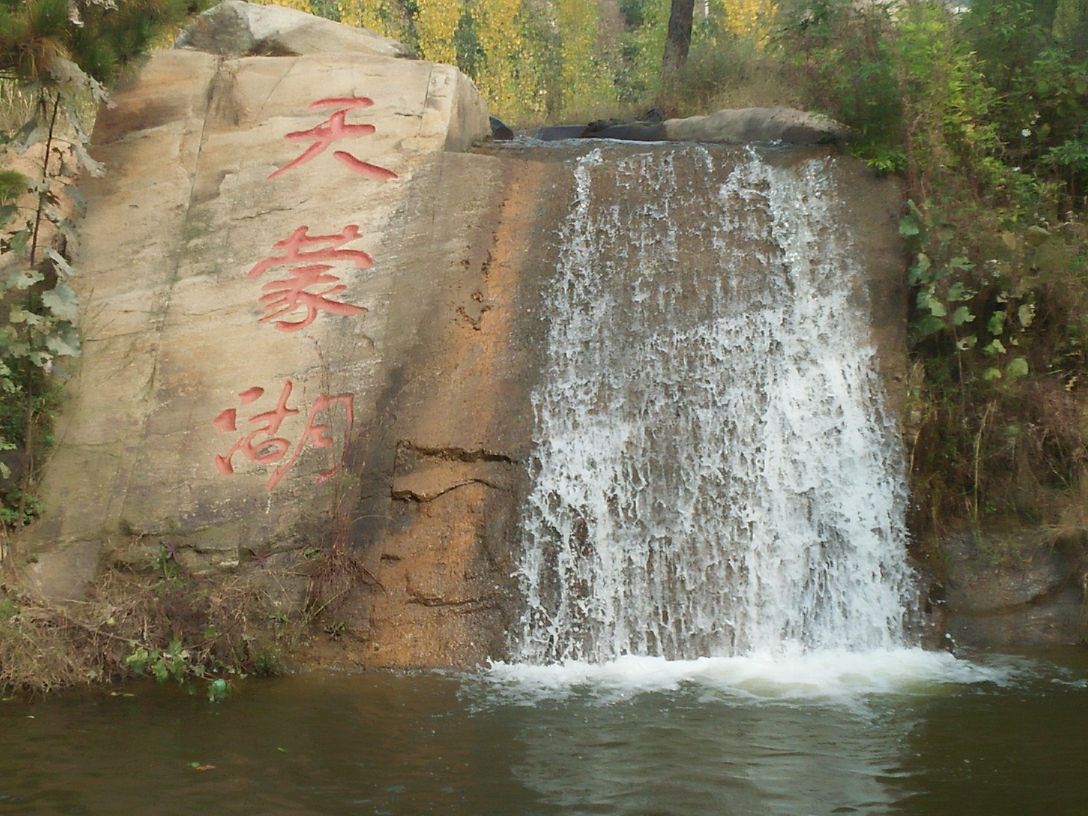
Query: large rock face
[
  {"x": 238, "y": 29},
  {"x": 263, "y": 221}
]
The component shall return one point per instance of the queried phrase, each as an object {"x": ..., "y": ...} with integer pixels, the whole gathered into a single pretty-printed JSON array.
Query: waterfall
[{"x": 714, "y": 473}]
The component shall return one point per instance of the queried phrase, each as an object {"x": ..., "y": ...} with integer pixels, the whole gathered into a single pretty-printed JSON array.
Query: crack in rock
[
  {"x": 407, "y": 494},
  {"x": 455, "y": 454}
]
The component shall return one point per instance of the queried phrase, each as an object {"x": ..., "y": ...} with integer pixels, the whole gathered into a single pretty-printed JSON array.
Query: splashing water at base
[
  {"x": 832, "y": 675},
  {"x": 715, "y": 476}
]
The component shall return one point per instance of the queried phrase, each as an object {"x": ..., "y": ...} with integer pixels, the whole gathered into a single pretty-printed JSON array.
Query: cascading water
[{"x": 714, "y": 474}]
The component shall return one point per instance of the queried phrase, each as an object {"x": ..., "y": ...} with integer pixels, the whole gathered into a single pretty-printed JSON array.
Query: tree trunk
[{"x": 679, "y": 37}]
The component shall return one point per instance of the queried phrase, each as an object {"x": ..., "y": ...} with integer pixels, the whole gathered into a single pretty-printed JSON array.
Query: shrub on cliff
[
  {"x": 986, "y": 115},
  {"x": 55, "y": 56}
]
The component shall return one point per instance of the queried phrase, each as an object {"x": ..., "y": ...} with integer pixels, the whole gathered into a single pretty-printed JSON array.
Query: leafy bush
[
  {"x": 55, "y": 56},
  {"x": 985, "y": 116},
  {"x": 843, "y": 60},
  {"x": 1035, "y": 57}
]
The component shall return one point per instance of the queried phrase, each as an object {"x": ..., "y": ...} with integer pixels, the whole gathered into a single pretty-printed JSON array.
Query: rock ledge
[{"x": 234, "y": 28}]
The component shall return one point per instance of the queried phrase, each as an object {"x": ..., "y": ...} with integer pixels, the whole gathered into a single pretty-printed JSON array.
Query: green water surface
[{"x": 447, "y": 744}]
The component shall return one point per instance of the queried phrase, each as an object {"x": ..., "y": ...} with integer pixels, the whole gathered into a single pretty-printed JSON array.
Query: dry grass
[
  {"x": 224, "y": 627},
  {"x": 734, "y": 74},
  {"x": 1072, "y": 519}
]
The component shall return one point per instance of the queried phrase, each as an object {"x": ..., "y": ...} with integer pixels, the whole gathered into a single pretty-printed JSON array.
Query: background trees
[
  {"x": 559, "y": 59},
  {"x": 678, "y": 37}
]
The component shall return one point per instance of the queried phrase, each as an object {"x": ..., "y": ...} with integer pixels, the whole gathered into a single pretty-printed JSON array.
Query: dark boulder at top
[
  {"x": 500, "y": 131},
  {"x": 631, "y": 131},
  {"x": 739, "y": 126}
]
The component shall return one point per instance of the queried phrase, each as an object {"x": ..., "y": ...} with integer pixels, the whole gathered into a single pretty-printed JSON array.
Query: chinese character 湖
[{"x": 263, "y": 445}]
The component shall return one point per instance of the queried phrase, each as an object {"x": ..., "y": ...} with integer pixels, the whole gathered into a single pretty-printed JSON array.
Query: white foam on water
[{"x": 804, "y": 676}]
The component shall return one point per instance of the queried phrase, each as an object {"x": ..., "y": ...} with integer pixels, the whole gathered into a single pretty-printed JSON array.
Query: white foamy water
[
  {"x": 821, "y": 675},
  {"x": 714, "y": 474}
]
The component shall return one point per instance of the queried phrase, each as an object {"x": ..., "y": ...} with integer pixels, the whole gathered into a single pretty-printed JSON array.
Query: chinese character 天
[{"x": 336, "y": 129}]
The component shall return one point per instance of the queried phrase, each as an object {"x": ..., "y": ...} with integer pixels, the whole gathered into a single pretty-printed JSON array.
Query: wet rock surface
[{"x": 1014, "y": 589}]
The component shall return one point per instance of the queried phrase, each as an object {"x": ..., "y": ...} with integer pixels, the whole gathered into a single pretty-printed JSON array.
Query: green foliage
[
  {"x": 41, "y": 306},
  {"x": 162, "y": 664},
  {"x": 176, "y": 663},
  {"x": 1072, "y": 154},
  {"x": 637, "y": 71},
  {"x": 537, "y": 65},
  {"x": 844, "y": 61},
  {"x": 1070, "y": 27},
  {"x": 38, "y": 37},
  {"x": 54, "y": 55},
  {"x": 882, "y": 159},
  {"x": 985, "y": 115},
  {"x": 17, "y": 508},
  {"x": 986, "y": 300},
  {"x": 109, "y": 39},
  {"x": 1036, "y": 61}
]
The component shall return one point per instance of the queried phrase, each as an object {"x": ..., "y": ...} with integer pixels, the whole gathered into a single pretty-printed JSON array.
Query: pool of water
[{"x": 998, "y": 736}]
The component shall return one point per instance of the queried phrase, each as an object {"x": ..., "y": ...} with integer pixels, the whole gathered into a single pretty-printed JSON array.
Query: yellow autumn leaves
[
  {"x": 299, "y": 5},
  {"x": 436, "y": 26},
  {"x": 505, "y": 87},
  {"x": 488, "y": 33},
  {"x": 358, "y": 13},
  {"x": 751, "y": 19},
  {"x": 537, "y": 59}
]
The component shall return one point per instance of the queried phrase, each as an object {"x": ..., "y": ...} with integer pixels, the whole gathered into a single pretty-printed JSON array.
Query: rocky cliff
[
  {"x": 269, "y": 258},
  {"x": 312, "y": 324}
]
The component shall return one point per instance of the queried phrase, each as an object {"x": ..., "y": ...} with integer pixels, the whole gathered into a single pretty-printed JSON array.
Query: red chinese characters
[
  {"x": 311, "y": 287},
  {"x": 306, "y": 283},
  {"x": 264, "y": 444},
  {"x": 335, "y": 129}
]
